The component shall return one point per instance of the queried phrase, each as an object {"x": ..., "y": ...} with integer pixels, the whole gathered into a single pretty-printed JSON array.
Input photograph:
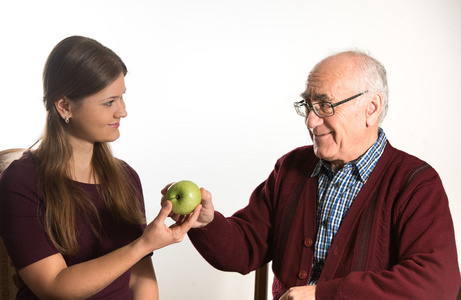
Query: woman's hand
[
  {"x": 206, "y": 213},
  {"x": 158, "y": 235},
  {"x": 51, "y": 278}
]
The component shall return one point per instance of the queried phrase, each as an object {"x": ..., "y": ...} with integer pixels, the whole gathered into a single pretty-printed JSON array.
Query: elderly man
[{"x": 349, "y": 217}]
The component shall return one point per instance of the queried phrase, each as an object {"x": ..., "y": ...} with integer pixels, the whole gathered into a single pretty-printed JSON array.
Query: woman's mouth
[{"x": 115, "y": 125}]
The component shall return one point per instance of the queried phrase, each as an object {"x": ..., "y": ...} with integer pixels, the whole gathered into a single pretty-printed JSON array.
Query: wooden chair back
[
  {"x": 8, "y": 277},
  {"x": 261, "y": 277}
]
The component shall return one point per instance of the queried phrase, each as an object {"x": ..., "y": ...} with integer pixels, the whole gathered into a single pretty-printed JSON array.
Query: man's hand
[
  {"x": 300, "y": 293},
  {"x": 206, "y": 212}
]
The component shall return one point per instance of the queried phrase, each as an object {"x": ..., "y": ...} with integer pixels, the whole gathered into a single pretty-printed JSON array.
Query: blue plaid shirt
[{"x": 335, "y": 194}]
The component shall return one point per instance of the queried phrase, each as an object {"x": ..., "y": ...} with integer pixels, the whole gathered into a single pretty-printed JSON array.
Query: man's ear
[
  {"x": 374, "y": 109},
  {"x": 63, "y": 108}
]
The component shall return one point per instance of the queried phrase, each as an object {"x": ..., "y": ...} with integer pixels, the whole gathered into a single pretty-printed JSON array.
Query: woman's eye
[{"x": 109, "y": 103}]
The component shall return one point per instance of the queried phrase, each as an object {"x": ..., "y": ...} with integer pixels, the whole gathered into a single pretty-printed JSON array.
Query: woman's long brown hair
[{"x": 76, "y": 68}]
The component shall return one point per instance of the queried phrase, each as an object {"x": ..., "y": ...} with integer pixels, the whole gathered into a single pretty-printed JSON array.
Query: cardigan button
[
  {"x": 302, "y": 275},
  {"x": 308, "y": 242},
  {"x": 336, "y": 251}
]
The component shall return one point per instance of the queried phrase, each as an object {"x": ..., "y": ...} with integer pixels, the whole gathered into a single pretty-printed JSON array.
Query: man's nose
[{"x": 312, "y": 120}]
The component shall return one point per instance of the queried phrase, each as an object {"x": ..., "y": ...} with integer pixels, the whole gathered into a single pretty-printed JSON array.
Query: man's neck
[{"x": 369, "y": 141}]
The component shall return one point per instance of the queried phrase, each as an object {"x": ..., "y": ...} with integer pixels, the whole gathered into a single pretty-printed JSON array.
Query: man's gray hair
[
  {"x": 370, "y": 75},
  {"x": 373, "y": 75}
]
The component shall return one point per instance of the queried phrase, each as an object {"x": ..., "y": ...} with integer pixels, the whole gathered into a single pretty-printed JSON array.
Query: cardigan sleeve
[
  {"x": 427, "y": 265},
  {"x": 240, "y": 243}
]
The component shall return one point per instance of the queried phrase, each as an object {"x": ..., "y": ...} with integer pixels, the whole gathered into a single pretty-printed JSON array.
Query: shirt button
[
  {"x": 308, "y": 242},
  {"x": 302, "y": 274}
]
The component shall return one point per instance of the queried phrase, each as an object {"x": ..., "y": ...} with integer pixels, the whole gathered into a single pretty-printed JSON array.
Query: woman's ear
[
  {"x": 63, "y": 108},
  {"x": 374, "y": 109}
]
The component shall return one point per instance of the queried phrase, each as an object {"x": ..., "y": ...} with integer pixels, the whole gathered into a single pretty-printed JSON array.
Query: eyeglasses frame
[{"x": 333, "y": 105}]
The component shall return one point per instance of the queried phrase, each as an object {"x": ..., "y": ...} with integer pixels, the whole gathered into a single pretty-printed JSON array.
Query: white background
[{"x": 211, "y": 85}]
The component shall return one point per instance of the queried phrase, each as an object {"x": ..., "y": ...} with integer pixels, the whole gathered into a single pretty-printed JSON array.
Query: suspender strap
[
  {"x": 288, "y": 217},
  {"x": 364, "y": 238}
]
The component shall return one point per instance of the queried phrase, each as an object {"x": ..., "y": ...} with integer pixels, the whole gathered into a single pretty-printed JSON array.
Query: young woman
[{"x": 71, "y": 214}]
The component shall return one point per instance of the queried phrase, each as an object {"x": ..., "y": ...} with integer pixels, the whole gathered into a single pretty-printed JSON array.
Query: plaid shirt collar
[{"x": 364, "y": 164}]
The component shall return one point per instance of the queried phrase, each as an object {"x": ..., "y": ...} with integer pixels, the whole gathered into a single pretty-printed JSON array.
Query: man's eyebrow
[
  {"x": 305, "y": 95},
  {"x": 318, "y": 97},
  {"x": 322, "y": 97}
]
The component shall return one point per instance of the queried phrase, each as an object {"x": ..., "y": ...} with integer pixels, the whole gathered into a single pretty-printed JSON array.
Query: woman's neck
[{"x": 81, "y": 163}]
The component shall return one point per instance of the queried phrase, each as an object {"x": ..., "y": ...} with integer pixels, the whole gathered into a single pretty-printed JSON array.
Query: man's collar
[{"x": 364, "y": 164}]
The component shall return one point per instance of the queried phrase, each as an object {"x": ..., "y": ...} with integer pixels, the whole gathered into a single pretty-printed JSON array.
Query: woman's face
[{"x": 97, "y": 117}]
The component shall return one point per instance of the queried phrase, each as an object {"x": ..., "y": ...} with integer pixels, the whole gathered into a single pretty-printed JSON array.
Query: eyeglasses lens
[{"x": 323, "y": 109}]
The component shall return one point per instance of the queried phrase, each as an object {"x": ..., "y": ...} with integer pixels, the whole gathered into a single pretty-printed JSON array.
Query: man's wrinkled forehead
[
  {"x": 318, "y": 86},
  {"x": 328, "y": 77},
  {"x": 314, "y": 81},
  {"x": 310, "y": 95}
]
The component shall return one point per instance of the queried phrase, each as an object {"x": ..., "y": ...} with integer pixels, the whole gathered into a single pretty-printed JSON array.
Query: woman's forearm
[{"x": 50, "y": 278}]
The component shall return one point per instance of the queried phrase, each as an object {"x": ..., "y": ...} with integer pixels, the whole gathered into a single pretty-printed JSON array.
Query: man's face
[{"x": 342, "y": 137}]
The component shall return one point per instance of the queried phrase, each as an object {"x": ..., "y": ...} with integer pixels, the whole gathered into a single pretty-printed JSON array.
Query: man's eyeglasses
[{"x": 321, "y": 109}]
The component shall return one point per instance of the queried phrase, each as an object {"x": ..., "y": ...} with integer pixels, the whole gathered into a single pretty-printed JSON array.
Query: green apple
[{"x": 185, "y": 196}]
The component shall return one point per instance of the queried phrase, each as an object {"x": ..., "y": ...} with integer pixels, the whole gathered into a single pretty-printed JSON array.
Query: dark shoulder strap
[
  {"x": 288, "y": 217},
  {"x": 365, "y": 231}
]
